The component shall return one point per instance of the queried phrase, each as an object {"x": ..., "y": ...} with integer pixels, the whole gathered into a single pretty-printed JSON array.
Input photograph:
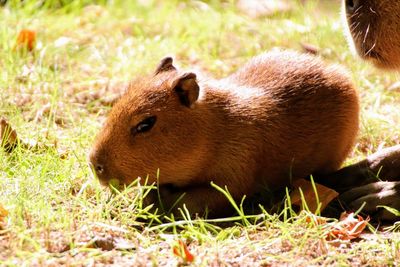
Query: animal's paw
[
  {"x": 386, "y": 163},
  {"x": 382, "y": 165},
  {"x": 373, "y": 196}
]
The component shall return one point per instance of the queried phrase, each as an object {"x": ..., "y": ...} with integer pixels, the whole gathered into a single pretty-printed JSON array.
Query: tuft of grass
[{"x": 85, "y": 52}]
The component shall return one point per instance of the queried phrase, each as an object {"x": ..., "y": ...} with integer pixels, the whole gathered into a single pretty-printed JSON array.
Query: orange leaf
[
  {"x": 348, "y": 227},
  {"x": 3, "y": 215},
  {"x": 182, "y": 251},
  {"x": 26, "y": 39},
  {"x": 3, "y": 211},
  {"x": 316, "y": 220}
]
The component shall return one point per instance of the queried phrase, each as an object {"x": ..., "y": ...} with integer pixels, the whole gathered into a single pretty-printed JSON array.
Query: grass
[{"x": 59, "y": 215}]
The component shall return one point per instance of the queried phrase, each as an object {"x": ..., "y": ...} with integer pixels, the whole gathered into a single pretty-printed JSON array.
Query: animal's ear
[
  {"x": 165, "y": 65},
  {"x": 187, "y": 88}
]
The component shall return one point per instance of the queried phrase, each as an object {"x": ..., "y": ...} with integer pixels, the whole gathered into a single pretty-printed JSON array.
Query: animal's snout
[
  {"x": 352, "y": 6},
  {"x": 97, "y": 163},
  {"x": 99, "y": 168}
]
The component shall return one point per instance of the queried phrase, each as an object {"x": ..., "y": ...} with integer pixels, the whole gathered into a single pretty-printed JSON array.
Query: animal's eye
[{"x": 145, "y": 125}]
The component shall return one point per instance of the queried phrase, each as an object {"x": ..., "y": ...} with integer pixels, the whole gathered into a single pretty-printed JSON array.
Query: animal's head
[
  {"x": 375, "y": 30},
  {"x": 153, "y": 126}
]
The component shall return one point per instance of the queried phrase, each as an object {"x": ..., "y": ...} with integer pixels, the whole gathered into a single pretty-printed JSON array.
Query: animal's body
[
  {"x": 281, "y": 116},
  {"x": 374, "y": 27},
  {"x": 374, "y": 32}
]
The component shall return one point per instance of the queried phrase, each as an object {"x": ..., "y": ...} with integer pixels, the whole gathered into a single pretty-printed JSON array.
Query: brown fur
[
  {"x": 374, "y": 27},
  {"x": 281, "y": 115},
  {"x": 374, "y": 182}
]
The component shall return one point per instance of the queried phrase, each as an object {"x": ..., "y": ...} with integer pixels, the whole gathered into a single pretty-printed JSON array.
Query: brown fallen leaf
[
  {"x": 324, "y": 195},
  {"x": 3, "y": 215},
  {"x": 23, "y": 100},
  {"x": 9, "y": 141},
  {"x": 104, "y": 243},
  {"x": 26, "y": 40},
  {"x": 8, "y": 136},
  {"x": 110, "y": 243},
  {"x": 348, "y": 227},
  {"x": 310, "y": 48}
]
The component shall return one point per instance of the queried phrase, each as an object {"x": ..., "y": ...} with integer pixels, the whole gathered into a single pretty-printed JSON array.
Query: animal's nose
[
  {"x": 99, "y": 168},
  {"x": 352, "y": 5},
  {"x": 95, "y": 162}
]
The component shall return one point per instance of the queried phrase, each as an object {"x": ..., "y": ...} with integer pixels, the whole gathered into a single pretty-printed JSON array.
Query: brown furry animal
[
  {"x": 282, "y": 115},
  {"x": 374, "y": 27}
]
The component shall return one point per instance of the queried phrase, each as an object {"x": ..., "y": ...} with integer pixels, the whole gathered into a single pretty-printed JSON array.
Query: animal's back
[{"x": 310, "y": 111}]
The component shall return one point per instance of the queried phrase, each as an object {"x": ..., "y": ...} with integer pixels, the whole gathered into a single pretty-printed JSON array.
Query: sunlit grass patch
[{"x": 59, "y": 95}]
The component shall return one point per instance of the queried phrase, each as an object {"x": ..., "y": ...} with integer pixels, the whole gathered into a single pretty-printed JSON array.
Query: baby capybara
[{"x": 281, "y": 116}]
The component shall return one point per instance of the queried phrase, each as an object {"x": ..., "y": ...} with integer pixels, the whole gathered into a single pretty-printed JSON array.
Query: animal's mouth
[
  {"x": 103, "y": 178},
  {"x": 376, "y": 58},
  {"x": 114, "y": 183},
  {"x": 372, "y": 54},
  {"x": 111, "y": 183}
]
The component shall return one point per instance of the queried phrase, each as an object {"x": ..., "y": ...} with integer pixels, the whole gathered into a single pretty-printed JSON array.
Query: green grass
[{"x": 84, "y": 54}]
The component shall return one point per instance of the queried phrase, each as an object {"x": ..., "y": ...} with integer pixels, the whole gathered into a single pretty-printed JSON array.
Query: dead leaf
[
  {"x": 310, "y": 48},
  {"x": 324, "y": 195},
  {"x": 110, "y": 243},
  {"x": 63, "y": 153},
  {"x": 9, "y": 140},
  {"x": 26, "y": 40},
  {"x": 3, "y": 215},
  {"x": 23, "y": 100},
  {"x": 315, "y": 219},
  {"x": 104, "y": 243},
  {"x": 8, "y": 136},
  {"x": 348, "y": 227},
  {"x": 180, "y": 250}
]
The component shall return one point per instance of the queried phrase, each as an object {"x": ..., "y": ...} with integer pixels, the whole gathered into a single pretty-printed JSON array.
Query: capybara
[
  {"x": 281, "y": 116},
  {"x": 374, "y": 32}
]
